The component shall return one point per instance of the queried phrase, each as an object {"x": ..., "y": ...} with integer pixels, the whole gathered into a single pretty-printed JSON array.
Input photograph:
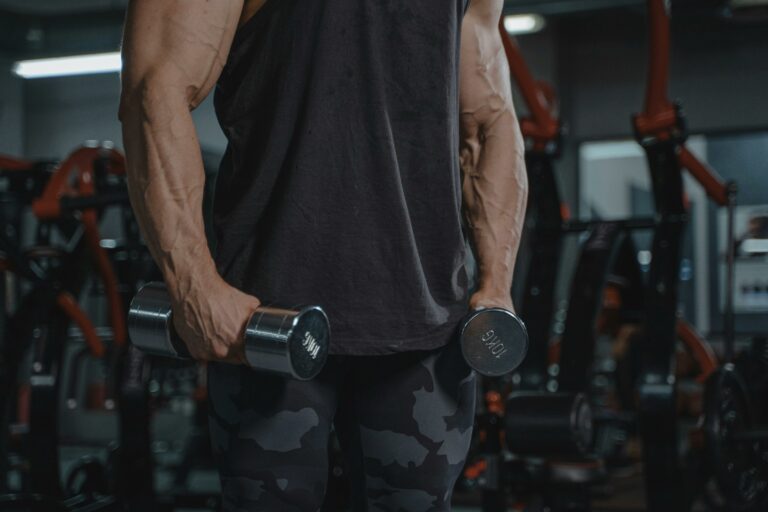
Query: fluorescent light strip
[
  {"x": 112, "y": 63},
  {"x": 517, "y": 24},
  {"x": 69, "y": 66}
]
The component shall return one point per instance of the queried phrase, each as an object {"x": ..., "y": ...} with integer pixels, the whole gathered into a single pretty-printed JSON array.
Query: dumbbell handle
[{"x": 268, "y": 337}]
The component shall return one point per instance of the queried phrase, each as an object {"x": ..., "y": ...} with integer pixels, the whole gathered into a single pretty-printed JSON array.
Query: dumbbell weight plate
[
  {"x": 494, "y": 341},
  {"x": 548, "y": 424},
  {"x": 739, "y": 467},
  {"x": 303, "y": 330},
  {"x": 150, "y": 323}
]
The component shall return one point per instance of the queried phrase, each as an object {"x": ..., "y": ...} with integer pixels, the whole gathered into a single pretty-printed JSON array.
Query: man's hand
[
  {"x": 487, "y": 298},
  {"x": 495, "y": 185},
  {"x": 212, "y": 321},
  {"x": 173, "y": 53}
]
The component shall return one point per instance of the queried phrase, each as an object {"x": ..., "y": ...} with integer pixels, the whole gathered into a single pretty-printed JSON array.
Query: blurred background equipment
[{"x": 643, "y": 281}]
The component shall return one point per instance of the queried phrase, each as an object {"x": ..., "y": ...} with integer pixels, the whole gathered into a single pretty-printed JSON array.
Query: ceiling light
[
  {"x": 523, "y": 23},
  {"x": 68, "y": 66}
]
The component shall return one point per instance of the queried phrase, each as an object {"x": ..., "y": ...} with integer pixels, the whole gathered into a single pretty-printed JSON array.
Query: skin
[
  {"x": 173, "y": 54},
  {"x": 495, "y": 184}
]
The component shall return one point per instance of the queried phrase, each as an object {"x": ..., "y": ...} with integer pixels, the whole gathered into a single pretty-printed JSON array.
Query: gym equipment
[
  {"x": 661, "y": 130},
  {"x": 292, "y": 342},
  {"x": 545, "y": 424},
  {"x": 579, "y": 337},
  {"x": 40, "y": 322},
  {"x": 735, "y": 450},
  {"x": 69, "y": 198},
  {"x": 540, "y": 281},
  {"x": 20, "y": 181},
  {"x": 736, "y": 454},
  {"x": 494, "y": 341}
]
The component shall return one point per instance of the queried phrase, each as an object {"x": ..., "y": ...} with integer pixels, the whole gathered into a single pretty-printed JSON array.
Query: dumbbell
[
  {"x": 288, "y": 341},
  {"x": 494, "y": 341},
  {"x": 547, "y": 424}
]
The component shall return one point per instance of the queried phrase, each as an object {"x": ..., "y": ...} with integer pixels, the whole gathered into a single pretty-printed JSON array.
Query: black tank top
[{"x": 340, "y": 185}]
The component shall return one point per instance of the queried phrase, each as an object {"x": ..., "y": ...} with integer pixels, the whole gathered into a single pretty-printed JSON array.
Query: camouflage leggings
[{"x": 404, "y": 423}]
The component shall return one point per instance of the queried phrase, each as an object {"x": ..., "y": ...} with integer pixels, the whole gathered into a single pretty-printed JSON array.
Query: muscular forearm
[
  {"x": 166, "y": 182},
  {"x": 495, "y": 183},
  {"x": 495, "y": 195},
  {"x": 173, "y": 53}
]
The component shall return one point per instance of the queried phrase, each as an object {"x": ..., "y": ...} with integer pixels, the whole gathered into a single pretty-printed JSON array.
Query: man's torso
[{"x": 341, "y": 184}]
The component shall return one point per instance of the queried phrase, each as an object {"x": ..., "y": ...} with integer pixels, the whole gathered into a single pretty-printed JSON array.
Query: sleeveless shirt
[{"x": 340, "y": 185}]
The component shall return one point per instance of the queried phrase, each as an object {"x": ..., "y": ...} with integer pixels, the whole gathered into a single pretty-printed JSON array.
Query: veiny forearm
[
  {"x": 166, "y": 181},
  {"x": 495, "y": 195},
  {"x": 173, "y": 53},
  {"x": 495, "y": 186}
]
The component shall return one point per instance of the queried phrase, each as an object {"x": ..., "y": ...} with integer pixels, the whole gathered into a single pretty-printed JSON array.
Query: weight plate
[
  {"x": 739, "y": 467},
  {"x": 308, "y": 343},
  {"x": 494, "y": 341}
]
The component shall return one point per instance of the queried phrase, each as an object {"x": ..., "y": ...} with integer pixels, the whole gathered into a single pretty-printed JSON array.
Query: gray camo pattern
[{"x": 403, "y": 421}]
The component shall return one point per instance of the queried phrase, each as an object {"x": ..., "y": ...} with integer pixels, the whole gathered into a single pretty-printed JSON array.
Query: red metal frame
[
  {"x": 9, "y": 163},
  {"x": 659, "y": 113},
  {"x": 659, "y": 118},
  {"x": 542, "y": 127},
  {"x": 48, "y": 207}
]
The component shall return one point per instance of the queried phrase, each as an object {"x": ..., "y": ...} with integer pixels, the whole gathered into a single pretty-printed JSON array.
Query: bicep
[
  {"x": 485, "y": 88},
  {"x": 178, "y": 46}
]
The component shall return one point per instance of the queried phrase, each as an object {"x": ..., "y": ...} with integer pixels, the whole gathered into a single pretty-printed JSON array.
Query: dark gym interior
[{"x": 642, "y": 276}]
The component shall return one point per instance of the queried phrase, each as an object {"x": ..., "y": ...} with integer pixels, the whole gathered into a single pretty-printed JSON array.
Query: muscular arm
[
  {"x": 495, "y": 186},
  {"x": 173, "y": 53}
]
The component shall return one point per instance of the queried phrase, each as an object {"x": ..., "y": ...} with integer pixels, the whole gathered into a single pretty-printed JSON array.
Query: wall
[
  {"x": 597, "y": 63},
  {"x": 720, "y": 80},
  {"x": 63, "y": 112},
  {"x": 11, "y": 112},
  {"x": 743, "y": 158}
]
